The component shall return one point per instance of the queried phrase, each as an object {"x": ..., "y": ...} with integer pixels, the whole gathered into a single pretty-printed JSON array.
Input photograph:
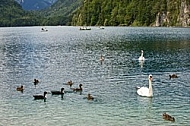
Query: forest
[
  {"x": 60, "y": 13},
  {"x": 128, "y": 12},
  {"x": 99, "y": 13},
  {"x": 12, "y": 14}
]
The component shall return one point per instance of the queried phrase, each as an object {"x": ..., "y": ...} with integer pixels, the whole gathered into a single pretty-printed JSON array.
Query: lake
[{"x": 67, "y": 53}]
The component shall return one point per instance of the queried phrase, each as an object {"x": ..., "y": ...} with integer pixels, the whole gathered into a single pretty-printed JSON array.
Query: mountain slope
[
  {"x": 98, "y": 12},
  {"x": 12, "y": 14},
  {"x": 133, "y": 13},
  {"x": 35, "y": 4},
  {"x": 60, "y": 13}
]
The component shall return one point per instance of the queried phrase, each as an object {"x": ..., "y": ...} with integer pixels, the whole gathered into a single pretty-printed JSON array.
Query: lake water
[{"x": 66, "y": 53}]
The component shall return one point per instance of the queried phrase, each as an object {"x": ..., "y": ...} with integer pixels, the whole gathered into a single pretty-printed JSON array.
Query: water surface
[{"x": 66, "y": 53}]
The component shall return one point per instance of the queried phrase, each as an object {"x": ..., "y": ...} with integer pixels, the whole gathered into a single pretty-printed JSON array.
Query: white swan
[
  {"x": 141, "y": 58},
  {"x": 144, "y": 91}
]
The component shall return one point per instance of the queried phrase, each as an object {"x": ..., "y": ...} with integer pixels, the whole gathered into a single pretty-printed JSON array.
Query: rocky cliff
[
  {"x": 160, "y": 13},
  {"x": 166, "y": 18},
  {"x": 184, "y": 15}
]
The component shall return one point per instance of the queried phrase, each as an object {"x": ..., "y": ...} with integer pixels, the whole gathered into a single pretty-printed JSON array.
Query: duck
[
  {"x": 173, "y": 76},
  {"x": 36, "y": 81},
  {"x": 58, "y": 92},
  {"x": 146, "y": 91},
  {"x": 100, "y": 27},
  {"x": 89, "y": 97},
  {"x": 101, "y": 58},
  {"x": 38, "y": 96},
  {"x": 44, "y": 30},
  {"x": 78, "y": 89},
  {"x": 141, "y": 58},
  {"x": 70, "y": 83},
  {"x": 168, "y": 117},
  {"x": 21, "y": 88}
]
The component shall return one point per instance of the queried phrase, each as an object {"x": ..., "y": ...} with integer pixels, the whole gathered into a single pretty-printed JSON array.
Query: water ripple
[{"x": 65, "y": 53}]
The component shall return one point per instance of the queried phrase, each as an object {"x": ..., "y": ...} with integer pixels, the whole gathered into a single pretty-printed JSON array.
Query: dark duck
[
  {"x": 36, "y": 81},
  {"x": 21, "y": 88},
  {"x": 173, "y": 76},
  {"x": 38, "y": 96},
  {"x": 58, "y": 92},
  {"x": 78, "y": 89},
  {"x": 168, "y": 117}
]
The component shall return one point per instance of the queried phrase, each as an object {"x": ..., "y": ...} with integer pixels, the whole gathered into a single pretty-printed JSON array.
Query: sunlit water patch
[{"x": 66, "y": 53}]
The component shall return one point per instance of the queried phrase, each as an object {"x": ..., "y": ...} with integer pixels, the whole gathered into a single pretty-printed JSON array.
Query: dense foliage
[
  {"x": 12, "y": 14},
  {"x": 58, "y": 14},
  {"x": 125, "y": 12},
  {"x": 61, "y": 12},
  {"x": 35, "y": 4},
  {"x": 98, "y": 13}
]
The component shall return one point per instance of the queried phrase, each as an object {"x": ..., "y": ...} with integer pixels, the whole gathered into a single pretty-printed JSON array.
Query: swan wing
[
  {"x": 143, "y": 91},
  {"x": 141, "y": 58}
]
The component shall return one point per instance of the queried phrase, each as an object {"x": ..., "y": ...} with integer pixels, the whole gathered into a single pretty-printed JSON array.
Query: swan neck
[
  {"x": 141, "y": 54},
  {"x": 150, "y": 87}
]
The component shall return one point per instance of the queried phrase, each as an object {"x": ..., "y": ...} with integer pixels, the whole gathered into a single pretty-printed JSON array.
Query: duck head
[
  {"x": 62, "y": 89},
  {"x": 80, "y": 85}
]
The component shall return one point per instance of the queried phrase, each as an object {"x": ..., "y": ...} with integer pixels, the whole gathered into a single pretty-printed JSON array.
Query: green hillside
[
  {"x": 58, "y": 14},
  {"x": 61, "y": 12},
  {"x": 12, "y": 14},
  {"x": 100, "y": 13},
  {"x": 133, "y": 13}
]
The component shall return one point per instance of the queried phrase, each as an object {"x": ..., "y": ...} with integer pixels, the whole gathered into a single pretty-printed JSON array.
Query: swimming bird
[
  {"x": 168, "y": 117},
  {"x": 173, "y": 76},
  {"x": 58, "y": 92},
  {"x": 70, "y": 83},
  {"x": 44, "y": 29},
  {"x": 21, "y": 88},
  {"x": 36, "y": 81},
  {"x": 101, "y": 58},
  {"x": 141, "y": 58},
  {"x": 144, "y": 91},
  {"x": 89, "y": 97},
  {"x": 78, "y": 89},
  {"x": 38, "y": 96}
]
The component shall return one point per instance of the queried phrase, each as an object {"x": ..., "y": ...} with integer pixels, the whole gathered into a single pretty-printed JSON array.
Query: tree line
[
  {"x": 127, "y": 12},
  {"x": 92, "y": 13}
]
